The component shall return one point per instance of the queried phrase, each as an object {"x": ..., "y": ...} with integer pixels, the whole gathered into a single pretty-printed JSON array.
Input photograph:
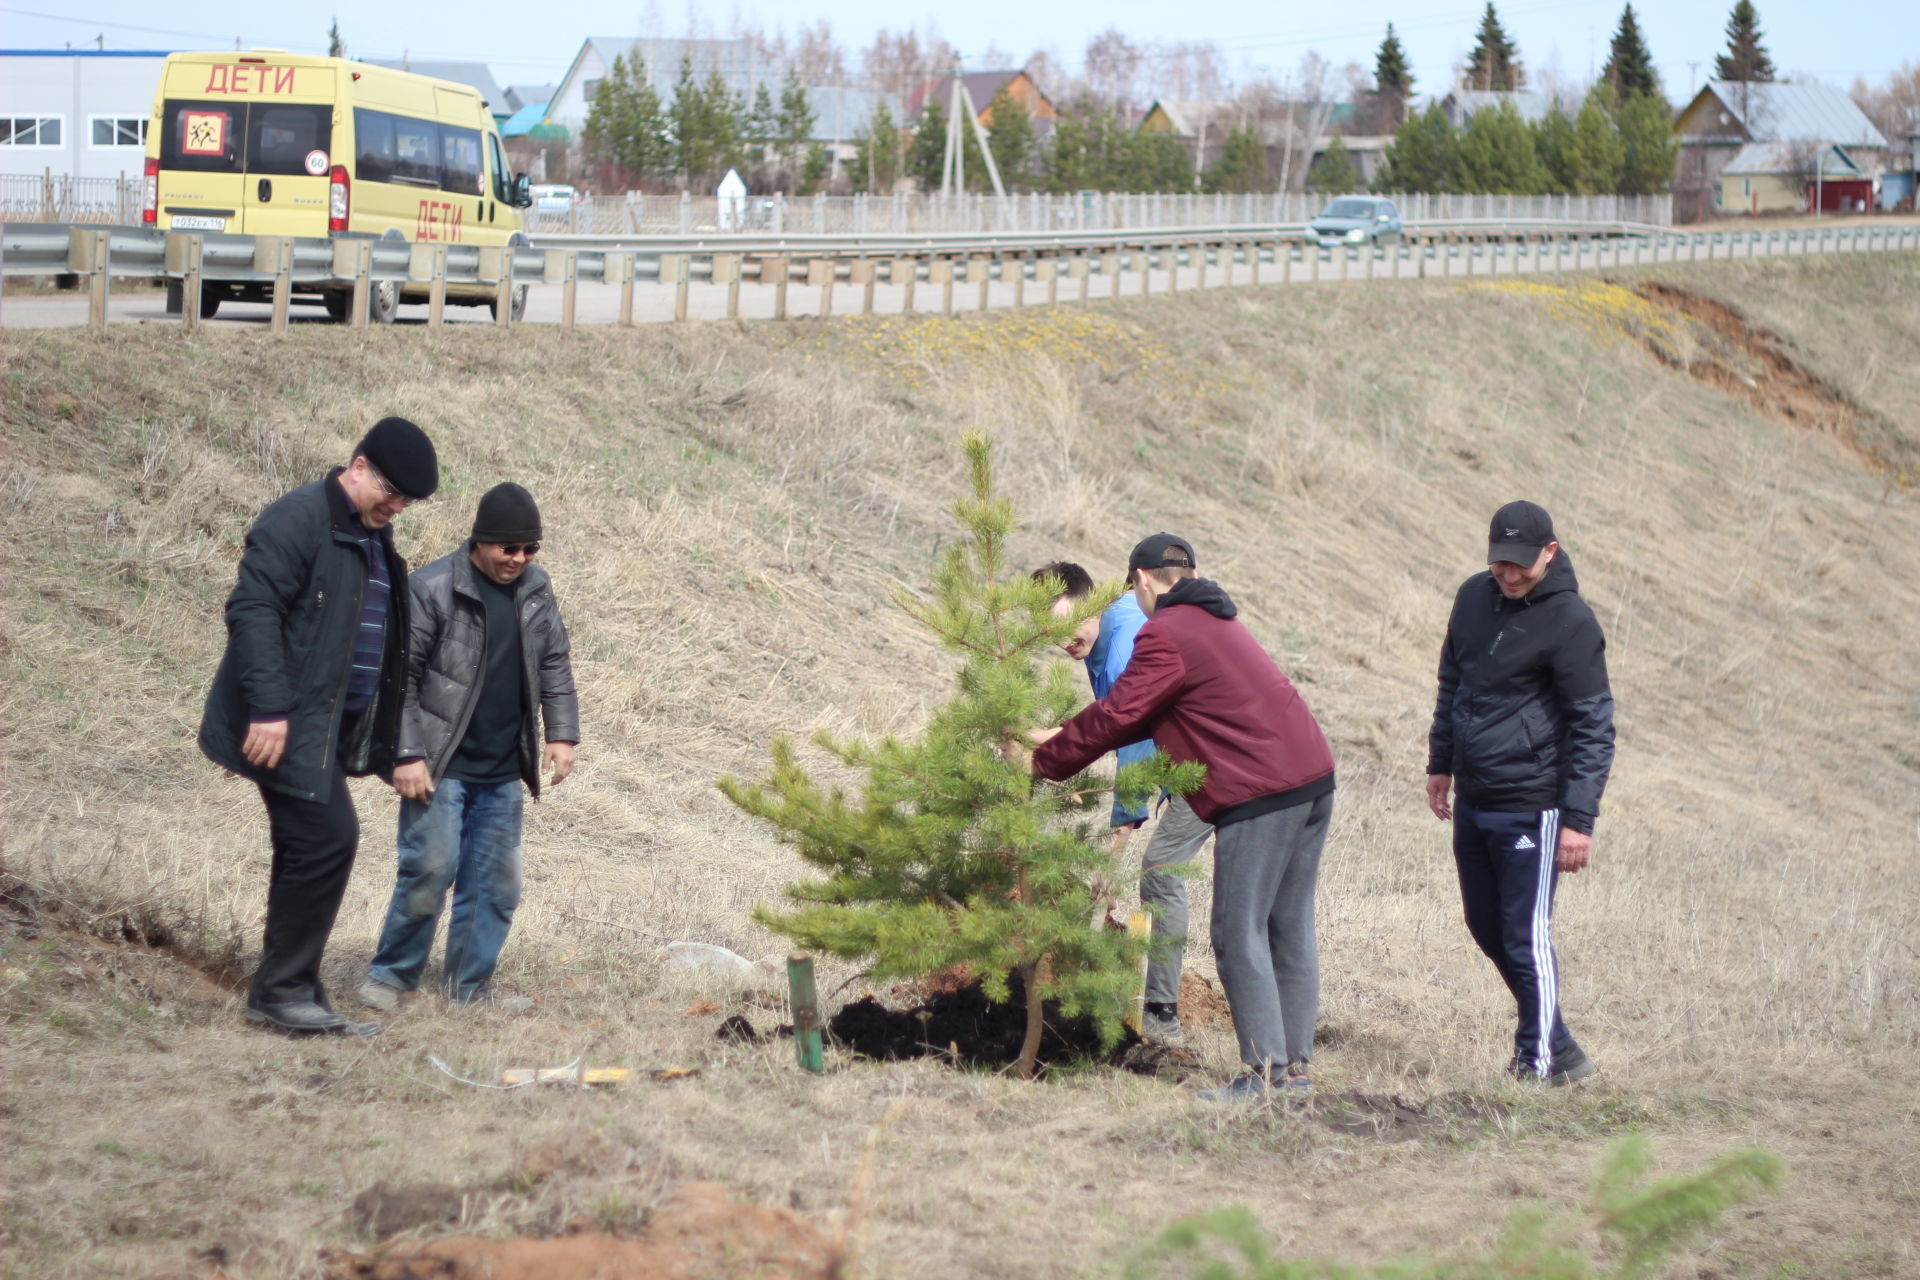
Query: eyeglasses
[
  {"x": 390, "y": 493},
  {"x": 515, "y": 548}
]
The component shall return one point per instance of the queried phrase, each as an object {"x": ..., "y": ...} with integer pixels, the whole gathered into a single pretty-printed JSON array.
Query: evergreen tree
[
  {"x": 626, "y": 129},
  {"x": 760, "y": 126},
  {"x": 707, "y": 123},
  {"x": 336, "y": 46},
  {"x": 1596, "y": 155},
  {"x": 1629, "y": 68},
  {"x": 927, "y": 154},
  {"x": 1423, "y": 157},
  {"x": 877, "y": 157},
  {"x": 1392, "y": 86},
  {"x": 1553, "y": 144},
  {"x": 814, "y": 169},
  {"x": 1495, "y": 62},
  {"x": 796, "y": 119},
  {"x": 1010, "y": 136},
  {"x": 1082, "y": 156},
  {"x": 1496, "y": 155},
  {"x": 1242, "y": 163},
  {"x": 1746, "y": 58},
  {"x": 1649, "y": 148},
  {"x": 1153, "y": 162},
  {"x": 1333, "y": 173},
  {"x": 950, "y": 855}
]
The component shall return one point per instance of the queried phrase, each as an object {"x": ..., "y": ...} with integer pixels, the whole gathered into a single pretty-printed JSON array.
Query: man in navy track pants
[{"x": 1522, "y": 737}]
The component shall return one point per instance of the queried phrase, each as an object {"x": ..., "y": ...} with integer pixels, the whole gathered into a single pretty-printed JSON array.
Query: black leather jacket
[
  {"x": 1524, "y": 719},
  {"x": 446, "y": 652},
  {"x": 291, "y": 623}
]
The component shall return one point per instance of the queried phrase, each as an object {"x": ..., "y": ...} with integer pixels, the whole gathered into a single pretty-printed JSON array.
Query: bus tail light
[
  {"x": 339, "y": 196},
  {"x": 150, "y": 211}
]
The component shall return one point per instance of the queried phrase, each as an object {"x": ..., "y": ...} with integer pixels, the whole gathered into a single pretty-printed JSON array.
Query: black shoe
[
  {"x": 305, "y": 1017},
  {"x": 1567, "y": 1067}
]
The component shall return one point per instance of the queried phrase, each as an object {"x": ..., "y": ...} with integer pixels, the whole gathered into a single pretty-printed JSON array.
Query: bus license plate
[{"x": 184, "y": 222}]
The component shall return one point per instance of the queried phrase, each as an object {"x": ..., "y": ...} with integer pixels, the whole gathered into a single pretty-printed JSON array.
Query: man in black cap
[
  {"x": 309, "y": 694},
  {"x": 1203, "y": 689},
  {"x": 486, "y": 646},
  {"x": 1522, "y": 737}
]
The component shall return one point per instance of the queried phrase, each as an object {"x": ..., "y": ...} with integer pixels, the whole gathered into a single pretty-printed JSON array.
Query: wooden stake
[
  {"x": 437, "y": 291},
  {"x": 806, "y": 1013}
]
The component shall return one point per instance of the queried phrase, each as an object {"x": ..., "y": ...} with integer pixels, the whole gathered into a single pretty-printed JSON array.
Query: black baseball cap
[
  {"x": 1161, "y": 551},
  {"x": 1519, "y": 532}
]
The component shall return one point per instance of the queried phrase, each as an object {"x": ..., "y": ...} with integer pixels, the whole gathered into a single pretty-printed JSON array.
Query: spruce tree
[
  {"x": 1392, "y": 83},
  {"x": 1648, "y": 145},
  {"x": 1496, "y": 156},
  {"x": 1553, "y": 144},
  {"x": 1596, "y": 154},
  {"x": 1495, "y": 62},
  {"x": 1629, "y": 66},
  {"x": 1333, "y": 173},
  {"x": 1746, "y": 58},
  {"x": 336, "y": 44},
  {"x": 949, "y": 854},
  {"x": 877, "y": 157},
  {"x": 1242, "y": 163},
  {"x": 1010, "y": 135},
  {"x": 1423, "y": 157},
  {"x": 625, "y": 127},
  {"x": 796, "y": 119},
  {"x": 760, "y": 126}
]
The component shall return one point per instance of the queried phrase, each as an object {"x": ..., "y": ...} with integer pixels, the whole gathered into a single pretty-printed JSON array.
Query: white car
[{"x": 551, "y": 198}]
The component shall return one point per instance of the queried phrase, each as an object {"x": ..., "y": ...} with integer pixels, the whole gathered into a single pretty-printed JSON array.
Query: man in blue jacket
[
  {"x": 1522, "y": 736},
  {"x": 309, "y": 694},
  {"x": 1105, "y": 644}
]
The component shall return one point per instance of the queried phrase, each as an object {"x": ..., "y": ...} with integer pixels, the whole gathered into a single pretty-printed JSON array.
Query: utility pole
[{"x": 953, "y": 170}]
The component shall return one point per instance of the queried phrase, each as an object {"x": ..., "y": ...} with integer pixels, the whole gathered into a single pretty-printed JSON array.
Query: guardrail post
[
  {"x": 275, "y": 254},
  {"x": 861, "y": 272},
  {"x": 940, "y": 272},
  {"x": 1047, "y": 271},
  {"x": 686, "y": 213},
  {"x": 570, "y": 288},
  {"x": 780, "y": 273},
  {"x": 904, "y": 272},
  {"x": 437, "y": 291},
  {"x": 726, "y": 270},
  {"x": 502, "y": 291},
  {"x": 1016, "y": 263},
  {"x": 90, "y": 251},
  {"x": 183, "y": 256},
  {"x": 981, "y": 269},
  {"x": 1145, "y": 259},
  {"x": 620, "y": 269},
  {"x": 673, "y": 271},
  {"x": 1253, "y": 261},
  {"x": 820, "y": 272},
  {"x": 1313, "y": 272},
  {"x": 1199, "y": 256}
]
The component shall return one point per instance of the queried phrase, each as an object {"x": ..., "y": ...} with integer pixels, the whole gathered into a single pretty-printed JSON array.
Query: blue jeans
[{"x": 467, "y": 837}]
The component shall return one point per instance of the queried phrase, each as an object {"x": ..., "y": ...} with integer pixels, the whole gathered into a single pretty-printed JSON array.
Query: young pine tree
[
  {"x": 1597, "y": 154},
  {"x": 1242, "y": 163},
  {"x": 1424, "y": 155},
  {"x": 1010, "y": 135},
  {"x": 1746, "y": 58},
  {"x": 1333, "y": 173},
  {"x": 1496, "y": 155},
  {"x": 1392, "y": 83},
  {"x": 950, "y": 855},
  {"x": 1629, "y": 70}
]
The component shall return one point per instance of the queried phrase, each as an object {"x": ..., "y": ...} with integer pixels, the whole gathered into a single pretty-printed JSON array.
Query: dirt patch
[
  {"x": 963, "y": 1026},
  {"x": 699, "y": 1233},
  {"x": 382, "y": 1211},
  {"x": 1386, "y": 1118},
  {"x": 1203, "y": 1003},
  {"x": 1716, "y": 345}
]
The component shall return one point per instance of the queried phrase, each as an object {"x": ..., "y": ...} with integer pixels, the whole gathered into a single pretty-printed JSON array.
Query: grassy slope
[{"x": 726, "y": 509}]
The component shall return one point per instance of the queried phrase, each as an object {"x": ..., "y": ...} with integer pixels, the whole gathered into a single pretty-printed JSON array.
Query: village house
[{"x": 1795, "y": 123}]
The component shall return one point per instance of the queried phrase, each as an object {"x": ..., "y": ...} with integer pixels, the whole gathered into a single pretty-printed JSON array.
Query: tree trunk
[{"x": 1029, "y": 1061}]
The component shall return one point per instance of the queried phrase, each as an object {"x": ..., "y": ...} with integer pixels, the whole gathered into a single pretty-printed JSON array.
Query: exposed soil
[
  {"x": 1721, "y": 349},
  {"x": 1203, "y": 1003},
  {"x": 962, "y": 1025},
  {"x": 700, "y": 1233}
]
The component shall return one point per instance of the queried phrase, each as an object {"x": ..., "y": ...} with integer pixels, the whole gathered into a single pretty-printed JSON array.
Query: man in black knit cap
[
  {"x": 486, "y": 646},
  {"x": 309, "y": 694}
]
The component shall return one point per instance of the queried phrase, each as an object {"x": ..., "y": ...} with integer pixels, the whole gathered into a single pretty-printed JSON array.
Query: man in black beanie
[
  {"x": 486, "y": 646},
  {"x": 309, "y": 694}
]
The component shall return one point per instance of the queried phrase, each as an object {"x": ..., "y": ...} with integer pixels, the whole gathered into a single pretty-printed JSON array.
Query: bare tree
[
  {"x": 1894, "y": 106},
  {"x": 817, "y": 56},
  {"x": 1113, "y": 68}
]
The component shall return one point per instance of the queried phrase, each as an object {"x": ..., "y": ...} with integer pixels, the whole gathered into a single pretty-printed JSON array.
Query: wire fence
[
  {"x": 57, "y": 198},
  {"x": 52, "y": 197},
  {"x": 637, "y": 213}
]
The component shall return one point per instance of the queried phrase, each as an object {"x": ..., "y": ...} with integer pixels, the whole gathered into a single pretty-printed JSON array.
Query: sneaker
[
  {"x": 1250, "y": 1086},
  {"x": 1155, "y": 1029},
  {"x": 378, "y": 995},
  {"x": 1298, "y": 1083}
]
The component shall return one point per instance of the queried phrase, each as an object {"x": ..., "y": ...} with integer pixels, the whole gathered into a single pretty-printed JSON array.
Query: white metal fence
[
  {"x": 637, "y": 213},
  {"x": 50, "y": 197}
]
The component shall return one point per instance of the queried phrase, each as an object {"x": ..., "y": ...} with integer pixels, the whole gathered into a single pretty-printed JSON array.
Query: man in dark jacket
[
  {"x": 486, "y": 647},
  {"x": 309, "y": 694},
  {"x": 1203, "y": 689},
  {"x": 1523, "y": 738}
]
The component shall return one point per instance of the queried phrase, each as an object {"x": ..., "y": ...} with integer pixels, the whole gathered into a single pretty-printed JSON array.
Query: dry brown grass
[{"x": 727, "y": 510}]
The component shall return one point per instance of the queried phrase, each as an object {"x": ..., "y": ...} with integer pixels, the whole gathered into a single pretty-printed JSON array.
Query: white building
[{"x": 76, "y": 113}]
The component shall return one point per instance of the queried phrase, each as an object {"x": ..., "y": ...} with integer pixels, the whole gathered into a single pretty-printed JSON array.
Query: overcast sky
[{"x": 1831, "y": 41}]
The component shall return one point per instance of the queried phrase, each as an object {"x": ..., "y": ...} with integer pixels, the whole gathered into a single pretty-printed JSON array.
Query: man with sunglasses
[
  {"x": 486, "y": 646},
  {"x": 309, "y": 694}
]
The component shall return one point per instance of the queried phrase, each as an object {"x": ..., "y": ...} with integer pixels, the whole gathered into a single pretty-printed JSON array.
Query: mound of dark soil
[{"x": 963, "y": 1026}]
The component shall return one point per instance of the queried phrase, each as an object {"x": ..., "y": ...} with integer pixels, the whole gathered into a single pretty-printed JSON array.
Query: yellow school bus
[{"x": 267, "y": 143}]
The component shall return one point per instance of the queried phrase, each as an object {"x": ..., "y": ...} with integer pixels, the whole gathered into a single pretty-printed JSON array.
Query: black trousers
[{"x": 313, "y": 846}]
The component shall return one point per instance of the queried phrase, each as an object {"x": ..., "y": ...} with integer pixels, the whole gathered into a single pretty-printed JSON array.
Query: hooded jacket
[
  {"x": 1203, "y": 689},
  {"x": 447, "y": 651},
  {"x": 291, "y": 623},
  {"x": 1524, "y": 719}
]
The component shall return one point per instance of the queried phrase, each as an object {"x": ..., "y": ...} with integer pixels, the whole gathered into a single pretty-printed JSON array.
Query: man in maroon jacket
[{"x": 1203, "y": 689}]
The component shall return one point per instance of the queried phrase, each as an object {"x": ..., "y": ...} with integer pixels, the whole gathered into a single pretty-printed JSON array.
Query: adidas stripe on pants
[{"x": 1507, "y": 882}]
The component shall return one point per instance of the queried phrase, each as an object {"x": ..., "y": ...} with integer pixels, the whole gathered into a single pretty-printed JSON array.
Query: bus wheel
[
  {"x": 518, "y": 311},
  {"x": 383, "y": 301},
  {"x": 210, "y": 298}
]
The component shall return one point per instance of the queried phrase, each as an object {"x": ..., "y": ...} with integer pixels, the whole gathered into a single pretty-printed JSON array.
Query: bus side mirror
[{"x": 522, "y": 191}]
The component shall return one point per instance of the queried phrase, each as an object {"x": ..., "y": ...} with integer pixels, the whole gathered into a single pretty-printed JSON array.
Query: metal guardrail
[{"x": 276, "y": 266}]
